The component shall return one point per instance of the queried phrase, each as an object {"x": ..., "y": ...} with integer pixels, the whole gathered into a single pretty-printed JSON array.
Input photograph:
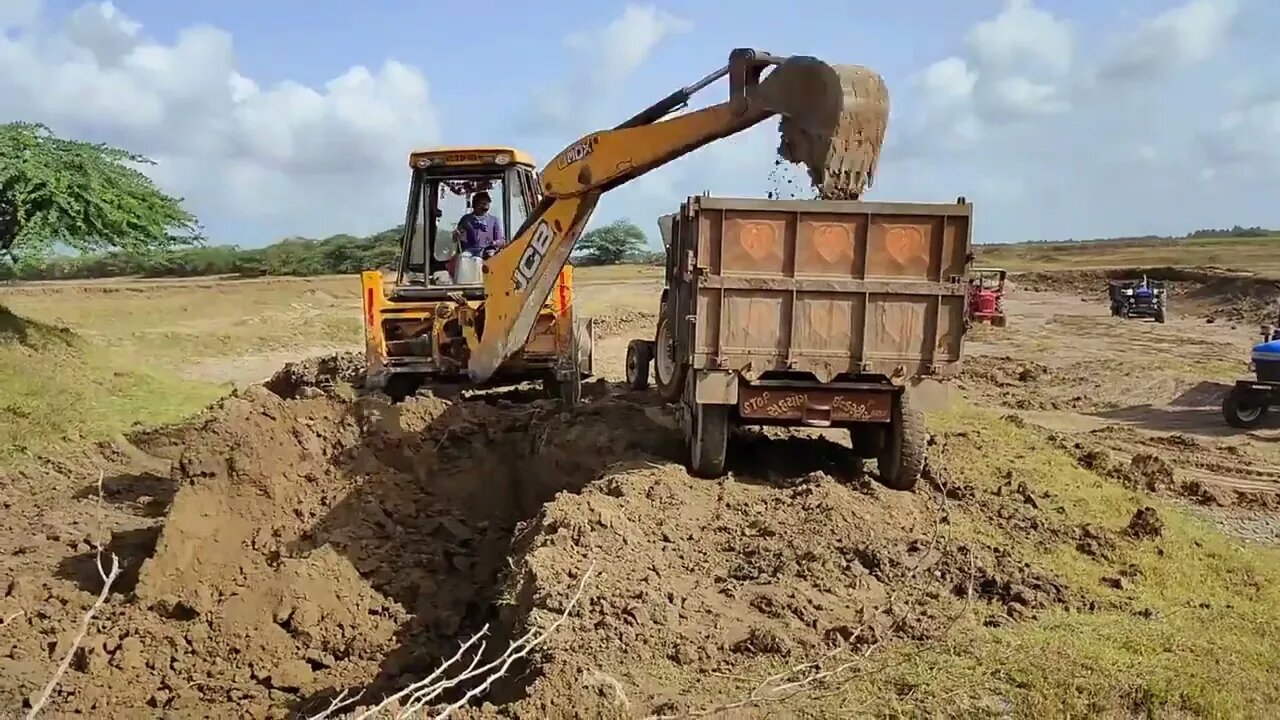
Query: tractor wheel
[
  {"x": 901, "y": 458},
  {"x": 1241, "y": 411},
  {"x": 999, "y": 321},
  {"x": 708, "y": 436},
  {"x": 668, "y": 371},
  {"x": 1124, "y": 312},
  {"x": 639, "y": 355},
  {"x": 1160, "y": 316}
]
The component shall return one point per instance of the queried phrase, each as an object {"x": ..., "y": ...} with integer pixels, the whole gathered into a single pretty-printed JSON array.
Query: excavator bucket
[{"x": 833, "y": 121}]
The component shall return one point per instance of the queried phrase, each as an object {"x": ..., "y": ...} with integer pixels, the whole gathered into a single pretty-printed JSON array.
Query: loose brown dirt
[
  {"x": 278, "y": 550},
  {"x": 300, "y": 538}
]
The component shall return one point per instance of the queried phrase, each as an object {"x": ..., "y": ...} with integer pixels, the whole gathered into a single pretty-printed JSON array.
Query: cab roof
[{"x": 470, "y": 155}]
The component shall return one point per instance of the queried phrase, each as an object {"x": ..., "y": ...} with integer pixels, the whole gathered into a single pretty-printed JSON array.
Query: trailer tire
[
  {"x": 902, "y": 455},
  {"x": 639, "y": 356},
  {"x": 708, "y": 437},
  {"x": 671, "y": 384},
  {"x": 1241, "y": 414}
]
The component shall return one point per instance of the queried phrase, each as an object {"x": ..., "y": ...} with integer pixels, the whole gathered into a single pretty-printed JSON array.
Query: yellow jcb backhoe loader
[{"x": 519, "y": 322}]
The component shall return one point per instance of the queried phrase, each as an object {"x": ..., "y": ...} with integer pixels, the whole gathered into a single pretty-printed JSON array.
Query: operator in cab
[{"x": 478, "y": 232}]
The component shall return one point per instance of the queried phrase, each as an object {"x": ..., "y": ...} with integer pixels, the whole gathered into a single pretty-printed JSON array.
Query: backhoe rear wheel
[
  {"x": 708, "y": 437},
  {"x": 901, "y": 458}
]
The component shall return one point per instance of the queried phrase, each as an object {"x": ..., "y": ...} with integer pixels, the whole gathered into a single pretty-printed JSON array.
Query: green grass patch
[
  {"x": 1195, "y": 633},
  {"x": 58, "y": 389}
]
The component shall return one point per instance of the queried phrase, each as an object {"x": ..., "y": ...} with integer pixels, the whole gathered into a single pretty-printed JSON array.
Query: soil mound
[
  {"x": 286, "y": 549},
  {"x": 315, "y": 376},
  {"x": 1211, "y": 293}
]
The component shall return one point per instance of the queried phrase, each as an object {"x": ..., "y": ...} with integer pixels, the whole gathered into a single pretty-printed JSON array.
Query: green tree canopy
[
  {"x": 614, "y": 243},
  {"x": 82, "y": 195}
]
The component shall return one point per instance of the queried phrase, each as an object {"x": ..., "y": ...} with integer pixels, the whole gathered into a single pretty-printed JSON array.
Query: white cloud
[
  {"x": 18, "y": 13},
  {"x": 1054, "y": 140},
  {"x": 602, "y": 60},
  {"x": 1022, "y": 36},
  {"x": 1245, "y": 140},
  {"x": 1176, "y": 38},
  {"x": 312, "y": 160}
]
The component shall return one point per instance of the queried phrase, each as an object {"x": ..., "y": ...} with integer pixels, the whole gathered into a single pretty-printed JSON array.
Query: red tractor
[{"x": 986, "y": 296}]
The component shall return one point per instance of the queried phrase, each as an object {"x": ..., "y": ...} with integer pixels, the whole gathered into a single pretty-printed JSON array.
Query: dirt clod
[
  {"x": 1150, "y": 472},
  {"x": 315, "y": 376},
  {"x": 1145, "y": 524}
]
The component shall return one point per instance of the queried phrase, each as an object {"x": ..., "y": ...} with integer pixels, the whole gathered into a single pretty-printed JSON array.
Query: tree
[
  {"x": 612, "y": 243},
  {"x": 82, "y": 195}
]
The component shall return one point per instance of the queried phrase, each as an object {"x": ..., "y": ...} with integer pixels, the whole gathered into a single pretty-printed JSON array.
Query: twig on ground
[
  {"x": 108, "y": 576},
  {"x": 341, "y": 702},
  {"x": 12, "y": 616},
  {"x": 426, "y": 692}
]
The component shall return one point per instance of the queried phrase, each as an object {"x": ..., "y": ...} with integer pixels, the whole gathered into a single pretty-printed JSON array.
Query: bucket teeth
[{"x": 834, "y": 119}]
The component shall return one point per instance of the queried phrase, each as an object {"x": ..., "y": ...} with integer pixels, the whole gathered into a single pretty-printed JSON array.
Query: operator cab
[{"x": 442, "y": 184}]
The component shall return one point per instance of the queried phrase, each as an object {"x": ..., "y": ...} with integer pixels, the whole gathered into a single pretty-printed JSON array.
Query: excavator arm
[{"x": 833, "y": 121}]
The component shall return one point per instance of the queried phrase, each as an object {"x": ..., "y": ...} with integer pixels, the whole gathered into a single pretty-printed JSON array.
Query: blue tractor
[
  {"x": 1139, "y": 298},
  {"x": 1247, "y": 404}
]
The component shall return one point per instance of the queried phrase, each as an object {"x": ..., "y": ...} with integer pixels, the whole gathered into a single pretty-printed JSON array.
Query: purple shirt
[{"x": 480, "y": 232}]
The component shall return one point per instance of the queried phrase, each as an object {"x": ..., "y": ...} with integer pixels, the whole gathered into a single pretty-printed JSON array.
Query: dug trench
[{"x": 280, "y": 550}]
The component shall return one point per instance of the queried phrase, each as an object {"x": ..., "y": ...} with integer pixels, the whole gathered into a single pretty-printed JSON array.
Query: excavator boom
[{"x": 833, "y": 122}]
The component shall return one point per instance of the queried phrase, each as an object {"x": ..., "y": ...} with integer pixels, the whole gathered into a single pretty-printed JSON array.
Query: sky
[{"x": 1057, "y": 118}]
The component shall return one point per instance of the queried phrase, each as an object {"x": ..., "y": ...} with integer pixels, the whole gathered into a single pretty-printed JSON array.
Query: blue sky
[{"x": 1058, "y": 119}]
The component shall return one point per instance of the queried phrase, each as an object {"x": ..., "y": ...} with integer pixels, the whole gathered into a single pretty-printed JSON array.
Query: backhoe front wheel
[
  {"x": 902, "y": 454},
  {"x": 568, "y": 391},
  {"x": 708, "y": 437}
]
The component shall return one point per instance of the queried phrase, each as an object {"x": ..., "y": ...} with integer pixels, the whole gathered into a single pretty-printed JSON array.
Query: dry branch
[
  {"x": 425, "y": 694},
  {"x": 108, "y": 576}
]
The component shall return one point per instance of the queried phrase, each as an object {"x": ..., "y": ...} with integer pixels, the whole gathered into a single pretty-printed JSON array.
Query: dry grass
[
  {"x": 1260, "y": 255},
  {"x": 86, "y": 360}
]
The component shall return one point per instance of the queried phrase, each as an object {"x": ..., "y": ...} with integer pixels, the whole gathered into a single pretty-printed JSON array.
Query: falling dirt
[{"x": 838, "y": 134}]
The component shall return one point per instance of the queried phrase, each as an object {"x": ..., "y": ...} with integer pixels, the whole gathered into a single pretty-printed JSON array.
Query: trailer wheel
[
  {"x": 901, "y": 458},
  {"x": 668, "y": 371},
  {"x": 639, "y": 355},
  {"x": 1240, "y": 412},
  {"x": 708, "y": 437}
]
